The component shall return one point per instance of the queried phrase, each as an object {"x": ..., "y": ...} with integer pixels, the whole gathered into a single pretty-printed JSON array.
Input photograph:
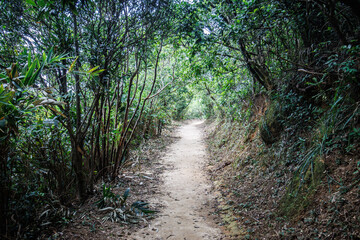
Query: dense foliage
[
  {"x": 299, "y": 61},
  {"x": 83, "y": 81},
  {"x": 83, "y": 85}
]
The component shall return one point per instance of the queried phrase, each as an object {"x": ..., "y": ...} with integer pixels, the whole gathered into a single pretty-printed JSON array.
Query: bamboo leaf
[
  {"x": 93, "y": 69},
  {"x": 49, "y": 56},
  {"x": 56, "y": 111},
  {"x": 97, "y": 72},
  {"x": 29, "y": 59},
  {"x": 35, "y": 76},
  {"x": 29, "y": 73},
  {"x": 72, "y": 65}
]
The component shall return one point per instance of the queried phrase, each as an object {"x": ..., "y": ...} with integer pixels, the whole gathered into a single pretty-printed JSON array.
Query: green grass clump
[{"x": 302, "y": 189}]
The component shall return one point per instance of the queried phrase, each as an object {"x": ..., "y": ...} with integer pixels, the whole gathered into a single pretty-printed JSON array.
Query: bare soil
[{"x": 184, "y": 192}]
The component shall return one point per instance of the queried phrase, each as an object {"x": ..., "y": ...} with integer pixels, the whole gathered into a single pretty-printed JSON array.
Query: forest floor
[{"x": 170, "y": 174}]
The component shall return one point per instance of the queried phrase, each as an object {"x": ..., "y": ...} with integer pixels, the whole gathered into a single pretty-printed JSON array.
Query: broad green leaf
[{"x": 31, "y": 2}]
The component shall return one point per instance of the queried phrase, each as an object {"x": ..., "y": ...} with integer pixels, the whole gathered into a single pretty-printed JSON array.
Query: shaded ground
[
  {"x": 168, "y": 173},
  {"x": 142, "y": 176}
]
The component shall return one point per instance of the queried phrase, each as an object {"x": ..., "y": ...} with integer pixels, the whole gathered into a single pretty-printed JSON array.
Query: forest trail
[{"x": 184, "y": 192}]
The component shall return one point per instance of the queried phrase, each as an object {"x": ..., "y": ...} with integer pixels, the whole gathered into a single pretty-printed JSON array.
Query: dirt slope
[{"x": 184, "y": 193}]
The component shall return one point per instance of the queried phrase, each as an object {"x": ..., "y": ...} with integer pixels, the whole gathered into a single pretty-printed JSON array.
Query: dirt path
[{"x": 183, "y": 193}]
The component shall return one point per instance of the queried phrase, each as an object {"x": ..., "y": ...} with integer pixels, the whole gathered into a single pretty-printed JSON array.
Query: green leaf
[
  {"x": 97, "y": 72},
  {"x": 72, "y": 65},
  {"x": 31, "y": 2},
  {"x": 126, "y": 194},
  {"x": 36, "y": 75},
  {"x": 29, "y": 73},
  {"x": 29, "y": 59},
  {"x": 93, "y": 69},
  {"x": 142, "y": 207},
  {"x": 49, "y": 56}
]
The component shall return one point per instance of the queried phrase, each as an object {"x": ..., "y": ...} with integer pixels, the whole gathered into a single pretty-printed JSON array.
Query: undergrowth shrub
[{"x": 118, "y": 209}]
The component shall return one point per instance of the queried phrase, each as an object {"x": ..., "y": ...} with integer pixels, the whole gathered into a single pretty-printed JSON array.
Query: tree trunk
[
  {"x": 78, "y": 142},
  {"x": 77, "y": 161},
  {"x": 4, "y": 187}
]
